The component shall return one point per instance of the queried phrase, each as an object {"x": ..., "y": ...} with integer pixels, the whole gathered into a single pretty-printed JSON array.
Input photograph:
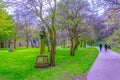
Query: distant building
[{"x": 22, "y": 42}]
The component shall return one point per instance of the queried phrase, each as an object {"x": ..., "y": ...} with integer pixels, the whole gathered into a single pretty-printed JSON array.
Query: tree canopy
[{"x": 6, "y": 24}]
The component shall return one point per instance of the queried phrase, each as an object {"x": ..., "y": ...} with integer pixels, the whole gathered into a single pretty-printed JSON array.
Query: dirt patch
[{"x": 78, "y": 77}]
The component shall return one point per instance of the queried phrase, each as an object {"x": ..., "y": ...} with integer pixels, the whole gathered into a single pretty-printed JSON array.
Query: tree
[
  {"x": 113, "y": 2},
  {"x": 6, "y": 26},
  {"x": 42, "y": 10},
  {"x": 71, "y": 14},
  {"x": 25, "y": 17}
]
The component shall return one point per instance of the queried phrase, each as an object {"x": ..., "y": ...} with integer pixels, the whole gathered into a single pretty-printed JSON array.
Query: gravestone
[
  {"x": 11, "y": 46},
  {"x": 42, "y": 59}
]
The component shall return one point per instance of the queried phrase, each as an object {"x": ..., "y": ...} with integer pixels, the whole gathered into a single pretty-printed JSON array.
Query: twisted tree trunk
[
  {"x": 52, "y": 53},
  {"x": 74, "y": 44},
  {"x": 73, "y": 48}
]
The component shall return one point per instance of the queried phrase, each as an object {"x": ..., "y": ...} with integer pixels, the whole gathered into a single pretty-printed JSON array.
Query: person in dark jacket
[
  {"x": 109, "y": 47},
  {"x": 100, "y": 46},
  {"x": 106, "y": 46}
]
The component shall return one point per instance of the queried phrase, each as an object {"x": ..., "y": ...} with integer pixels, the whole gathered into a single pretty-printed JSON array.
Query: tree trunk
[
  {"x": 15, "y": 43},
  {"x": 2, "y": 45},
  {"x": 81, "y": 44},
  {"x": 27, "y": 37},
  {"x": 94, "y": 42},
  {"x": 48, "y": 45},
  {"x": 64, "y": 44},
  {"x": 6, "y": 44},
  {"x": 74, "y": 45},
  {"x": 52, "y": 53},
  {"x": 27, "y": 43},
  {"x": 71, "y": 50},
  {"x": 84, "y": 44},
  {"x": 74, "y": 49}
]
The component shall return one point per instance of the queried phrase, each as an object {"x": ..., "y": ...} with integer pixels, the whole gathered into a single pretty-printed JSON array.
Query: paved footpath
[{"x": 106, "y": 67}]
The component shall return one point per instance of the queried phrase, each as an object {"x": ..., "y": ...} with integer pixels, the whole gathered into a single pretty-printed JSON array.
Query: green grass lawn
[
  {"x": 19, "y": 65},
  {"x": 116, "y": 49}
]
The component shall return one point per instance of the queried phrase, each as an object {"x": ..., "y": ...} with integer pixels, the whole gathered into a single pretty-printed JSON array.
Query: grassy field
[{"x": 19, "y": 65}]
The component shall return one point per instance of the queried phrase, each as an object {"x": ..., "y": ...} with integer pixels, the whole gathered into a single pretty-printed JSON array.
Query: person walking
[
  {"x": 100, "y": 46},
  {"x": 109, "y": 47},
  {"x": 106, "y": 46}
]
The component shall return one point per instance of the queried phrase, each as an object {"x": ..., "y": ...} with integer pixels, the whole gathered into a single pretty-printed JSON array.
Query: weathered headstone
[
  {"x": 42, "y": 59},
  {"x": 11, "y": 46}
]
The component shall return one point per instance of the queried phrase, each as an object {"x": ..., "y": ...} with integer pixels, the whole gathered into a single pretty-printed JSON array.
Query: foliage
[
  {"x": 114, "y": 38},
  {"x": 6, "y": 25},
  {"x": 116, "y": 49},
  {"x": 72, "y": 14}
]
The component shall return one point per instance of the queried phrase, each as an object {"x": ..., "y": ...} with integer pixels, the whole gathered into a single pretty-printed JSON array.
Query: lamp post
[{"x": 42, "y": 59}]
